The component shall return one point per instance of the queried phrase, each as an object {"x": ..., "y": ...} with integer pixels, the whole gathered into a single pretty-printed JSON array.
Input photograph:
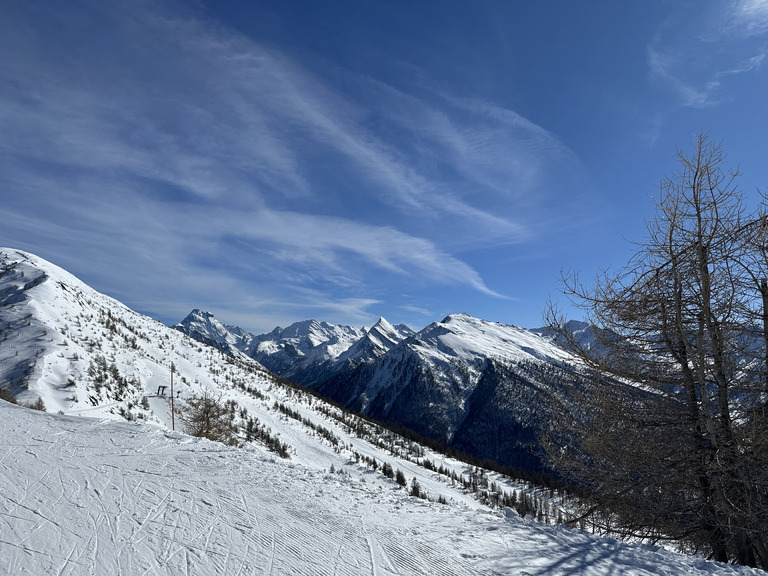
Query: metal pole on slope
[{"x": 173, "y": 420}]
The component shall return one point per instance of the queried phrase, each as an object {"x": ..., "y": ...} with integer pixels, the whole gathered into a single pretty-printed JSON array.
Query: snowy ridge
[
  {"x": 466, "y": 337},
  {"x": 456, "y": 351},
  {"x": 377, "y": 341},
  {"x": 306, "y": 352},
  {"x": 386, "y": 336},
  {"x": 310, "y": 338},
  {"x": 81, "y": 352}
]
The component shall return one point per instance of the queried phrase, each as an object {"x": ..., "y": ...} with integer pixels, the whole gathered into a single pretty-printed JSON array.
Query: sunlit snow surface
[
  {"x": 82, "y": 496},
  {"x": 102, "y": 496}
]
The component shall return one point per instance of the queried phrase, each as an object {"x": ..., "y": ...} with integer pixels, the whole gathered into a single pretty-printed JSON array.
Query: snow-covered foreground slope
[{"x": 88, "y": 496}]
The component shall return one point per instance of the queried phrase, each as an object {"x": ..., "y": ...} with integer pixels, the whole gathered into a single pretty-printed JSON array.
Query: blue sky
[{"x": 274, "y": 161}]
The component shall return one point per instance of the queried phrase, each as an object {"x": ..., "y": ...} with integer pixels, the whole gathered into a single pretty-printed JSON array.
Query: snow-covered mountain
[
  {"x": 202, "y": 326},
  {"x": 370, "y": 347},
  {"x": 376, "y": 342},
  {"x": 81, "y": 352},
  {"x": 480, "y": 386},
  {"x": 305, "y": 352},
  {"x": 105, "y": 496}
]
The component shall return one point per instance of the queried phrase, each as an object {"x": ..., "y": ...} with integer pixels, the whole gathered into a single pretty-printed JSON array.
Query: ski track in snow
[{"x": 83, "y": 496}]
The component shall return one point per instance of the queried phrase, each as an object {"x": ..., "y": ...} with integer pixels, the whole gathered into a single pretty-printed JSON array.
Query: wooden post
[{"x": 173, "y": 419}]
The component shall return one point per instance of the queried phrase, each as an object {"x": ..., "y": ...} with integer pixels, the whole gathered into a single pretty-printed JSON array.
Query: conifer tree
[{"x": 210, "y": 418}]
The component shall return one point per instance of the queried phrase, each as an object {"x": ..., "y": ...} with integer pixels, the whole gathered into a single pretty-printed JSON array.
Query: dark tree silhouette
[{"x": 683, "y": 454}]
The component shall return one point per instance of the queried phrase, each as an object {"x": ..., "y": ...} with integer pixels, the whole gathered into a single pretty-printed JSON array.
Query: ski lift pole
[{"x": 173, "y": 420}]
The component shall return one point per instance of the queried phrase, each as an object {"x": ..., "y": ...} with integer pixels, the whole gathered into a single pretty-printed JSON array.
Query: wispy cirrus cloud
[
  {"x": 327, "y": 242},
  {"x": 149, "y": 136},
  {"x": 235, "y": 115},
  {"x": 695, "y": 53},
  {"x": 750, "y": 16},
  {"x": 669, "y": 67}
]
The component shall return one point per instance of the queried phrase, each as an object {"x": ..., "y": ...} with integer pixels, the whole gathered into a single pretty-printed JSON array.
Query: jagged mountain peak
[
  {"x": 197, "y": 316},
  {"x": 301, "y": 328},
  {"x": 204, "y": 327},
  {"x": 304, "y": 351},
  {"x": 376, "y": 342},
  {"x": 310, "y": 333},
  {"x": 384, "y": 334},
  {"x": 382, "y": 324}
]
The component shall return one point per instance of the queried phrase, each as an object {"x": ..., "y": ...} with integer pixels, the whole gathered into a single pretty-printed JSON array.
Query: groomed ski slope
[{"x": 89, "y": 496}]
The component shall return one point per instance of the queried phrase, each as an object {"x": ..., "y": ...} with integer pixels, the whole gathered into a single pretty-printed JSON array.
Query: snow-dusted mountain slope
[
  {"x": 82, "y": 352},
  {"x": 480, "y": 386},
  {"x": 86, "y": 496}
]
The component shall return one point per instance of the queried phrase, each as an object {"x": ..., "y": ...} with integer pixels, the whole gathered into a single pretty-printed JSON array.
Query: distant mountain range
[
  {"x": 479, "y": 386},
  {"x": 305, "y": 352}
]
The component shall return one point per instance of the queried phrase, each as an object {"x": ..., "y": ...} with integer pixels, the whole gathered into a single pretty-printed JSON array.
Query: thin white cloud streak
[
  {"x": 473, "y": 149},
  {"x": 696, "y": 52},
  {"x": 494, "y": 149},
  {"x": 418, "y": 310},
  {"x": 160, "y": 246},
  {"x": 491, "y": 151},
  {"x": 260, "y": 314},
  {"x": 327, "y": 242},
  {"x": 355, "y": 310},
  {"x": 529, "y": 155},
  {"x": 261, "y": 81},
  {"x": 666, "y": 66}
]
